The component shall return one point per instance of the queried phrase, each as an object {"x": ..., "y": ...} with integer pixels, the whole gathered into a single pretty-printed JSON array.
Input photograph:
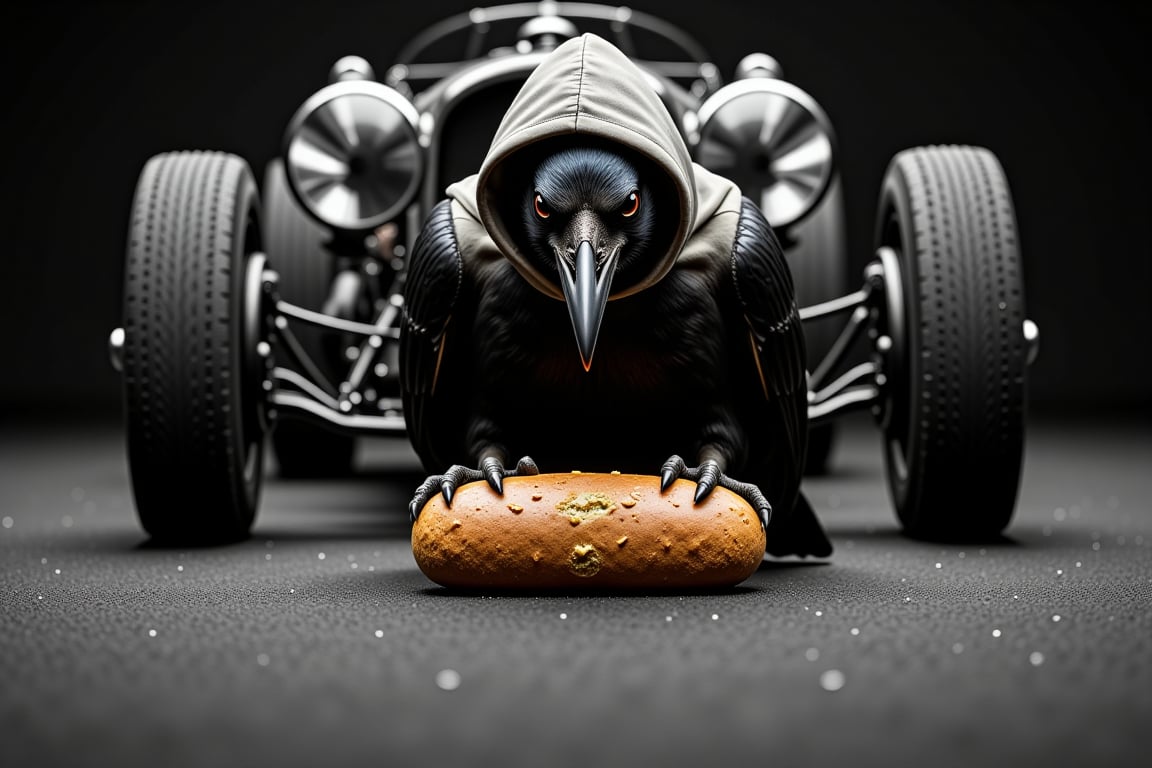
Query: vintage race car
[{"x": 269, "y": 314}]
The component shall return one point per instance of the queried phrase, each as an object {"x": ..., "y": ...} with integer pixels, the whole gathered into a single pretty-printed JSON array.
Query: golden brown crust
[{"x": 587, "y": 531}]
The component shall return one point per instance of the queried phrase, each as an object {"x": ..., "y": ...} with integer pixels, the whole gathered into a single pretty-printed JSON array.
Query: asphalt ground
[{"x": 318, "y": 641}]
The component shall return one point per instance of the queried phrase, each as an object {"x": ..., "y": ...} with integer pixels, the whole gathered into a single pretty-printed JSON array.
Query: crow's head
[{"x": 587, "y": 216}]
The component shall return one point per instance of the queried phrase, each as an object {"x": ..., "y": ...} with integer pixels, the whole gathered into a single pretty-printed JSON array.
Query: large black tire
[
  {"x": 954, "y": 419},
  {"x": 295, "y": 247},
  {"x": 818, "y": 259},
  {"x": 192, "y": 398}
]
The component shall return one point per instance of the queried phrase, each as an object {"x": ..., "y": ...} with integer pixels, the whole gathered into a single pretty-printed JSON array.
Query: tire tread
[
  {"x": 966, "y": 431},
  {"x": 186, "y": 456}
]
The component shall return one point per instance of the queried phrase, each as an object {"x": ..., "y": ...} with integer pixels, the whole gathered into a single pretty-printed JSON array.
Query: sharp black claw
[
  {"x": 491, "y": 471},
  {"x": 708, "y": 475},
  {"x": 672, "y": 469}
]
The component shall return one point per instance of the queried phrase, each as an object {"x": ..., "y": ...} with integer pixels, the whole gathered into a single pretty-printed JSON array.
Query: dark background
[{"x": 1059, "y": 92}]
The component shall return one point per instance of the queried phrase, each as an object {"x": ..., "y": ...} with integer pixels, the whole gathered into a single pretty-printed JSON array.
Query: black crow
[{"x": 595, "y": 304}]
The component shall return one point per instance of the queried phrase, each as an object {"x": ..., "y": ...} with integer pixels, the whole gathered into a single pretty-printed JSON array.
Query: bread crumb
[
  {"x": 537, "y": 496},
  {"x": 516, "y": 508},
  {"x": 629, "y": 502},
  {"x": 577, "y": 472},
  {"x": 615, "y": 472},
  {"x": 585, "y": 506},
  {"x": 585, "y": 560},
  {"x": 621, "y": 541},
  {"x": 536, "y": 556},
  {"x": 456, "y": 524},
  {"x": 635, "y": 494}
]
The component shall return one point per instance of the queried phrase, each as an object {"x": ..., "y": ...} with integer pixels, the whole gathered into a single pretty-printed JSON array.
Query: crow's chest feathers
[{"x": 643, "y": 353}]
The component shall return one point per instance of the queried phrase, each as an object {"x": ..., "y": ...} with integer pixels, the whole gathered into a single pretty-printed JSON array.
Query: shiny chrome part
[
  {"x": 116, "y": 349},
  {"x": 480, "y": 21},
  {"x": 324, "y": 321},
  {"x": 1032, "y": 339},
  {"x": 546, "y": 32},
  {"x": 774, "y": 141},
  {"x": 863, "y": 385},
  {"x": 457, "y": 83},
  {"x": 254, "y": 364},
  {"x": 352, "y": 154},
  {"x": 885, "y": 272},
  {"x": 345, "y": 291},
  {"x": 854, "y": 376},
  {"x": 834, "y": 306},
  {"x": 297, "y": 354},
  {"x": 758, "y": 65},
  {"x": 370, "y": 346},
  {"x": 289, "y": 376},
  {"x": 892, "y": 341},
  {"x": 443, "y": 100},
  {"x": 481, "y": 75},
  {"x": 351, "y": 68},
  {"x": 853, "y": 399},
  {"x": 300, "y": 406},
  {"x": 839, "y": 351}
]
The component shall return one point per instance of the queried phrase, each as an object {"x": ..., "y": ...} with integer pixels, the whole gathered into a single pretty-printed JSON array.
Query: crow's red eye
[
  {"x": 541, "y": 207},
  {"x": 632, "y": 205}
]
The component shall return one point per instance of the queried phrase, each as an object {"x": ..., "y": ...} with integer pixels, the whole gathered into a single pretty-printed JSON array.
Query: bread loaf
[{"x": 587, "y": 530}]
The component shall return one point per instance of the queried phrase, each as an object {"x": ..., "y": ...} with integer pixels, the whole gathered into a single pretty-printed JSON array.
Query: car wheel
[
  {"x": 295, "y": 247},
  {"x": 192, "y": 322},
  {"x": 818, "y": 259},
  {"x": 953, "y": 420}
]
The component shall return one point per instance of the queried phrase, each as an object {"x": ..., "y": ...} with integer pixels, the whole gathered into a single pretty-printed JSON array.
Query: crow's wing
[
  {"x": 433, "y": 289},
  {"x": 775, "y": 406}
]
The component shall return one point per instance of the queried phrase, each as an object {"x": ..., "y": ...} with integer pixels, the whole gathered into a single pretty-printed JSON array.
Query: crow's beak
[{"x": 586, "y": 290}]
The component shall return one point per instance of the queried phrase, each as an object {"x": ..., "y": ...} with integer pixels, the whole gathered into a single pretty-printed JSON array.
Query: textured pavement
[{"x": 319, "y": 642}]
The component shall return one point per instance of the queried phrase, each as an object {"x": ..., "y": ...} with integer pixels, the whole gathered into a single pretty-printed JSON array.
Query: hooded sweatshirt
[{"x": 588, "y": 88}]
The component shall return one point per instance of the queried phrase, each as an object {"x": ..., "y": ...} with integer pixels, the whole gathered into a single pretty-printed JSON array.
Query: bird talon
[
  {"x": 526, "y": 466},
  {"x": 491, "y": 470},
  {"x": 708, "y": 475},
  {"x": 765, "y": 516},
  {"x": 494, "y": 472},
  {"x": 672, "y": 469}
]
